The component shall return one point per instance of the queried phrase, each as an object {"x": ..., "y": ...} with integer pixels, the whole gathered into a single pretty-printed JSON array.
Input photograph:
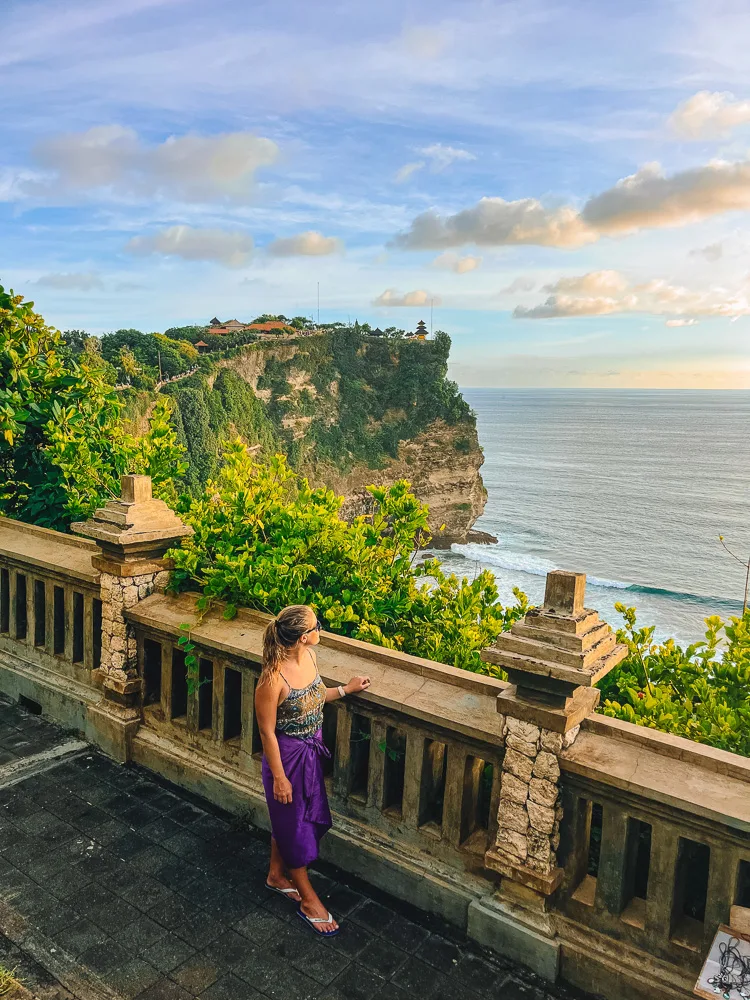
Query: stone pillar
[
  {"x": 553, "y": 658},
  {"x": 132, "y": 533}
]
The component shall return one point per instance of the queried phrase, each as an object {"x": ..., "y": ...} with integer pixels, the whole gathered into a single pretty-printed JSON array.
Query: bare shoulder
[{"x": 269, "y": 691}]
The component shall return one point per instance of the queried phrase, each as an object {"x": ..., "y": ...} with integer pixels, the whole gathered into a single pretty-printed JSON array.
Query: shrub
[
  {"x": 701, "y": 692},
  {"x": 264, "y": 539},
  {"x": 63, "y": 446}
]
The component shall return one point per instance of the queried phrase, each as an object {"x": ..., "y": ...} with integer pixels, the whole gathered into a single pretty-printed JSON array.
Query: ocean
[{"x": 631, "y": 487}]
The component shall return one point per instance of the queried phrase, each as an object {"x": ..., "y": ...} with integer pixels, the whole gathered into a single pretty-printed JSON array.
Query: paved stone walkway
[{"x": 114, "y": 885}]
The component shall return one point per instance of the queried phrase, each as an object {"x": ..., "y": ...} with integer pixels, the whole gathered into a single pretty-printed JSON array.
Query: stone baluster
[
  {"x": 553, "y": 657},
  {"x": 133, "y": 534}
]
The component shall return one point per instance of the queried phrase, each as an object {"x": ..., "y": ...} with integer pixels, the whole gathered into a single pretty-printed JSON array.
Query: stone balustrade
[
  {"x": 416, "y": 762},
  {"x": 50, "y": 609},
  {"x": 594, "y": 851}
]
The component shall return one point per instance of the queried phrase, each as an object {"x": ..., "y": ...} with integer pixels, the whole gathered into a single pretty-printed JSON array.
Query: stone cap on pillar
[
  {"x": 554, "y": 656},
  {"x": 133, "y": 532}
]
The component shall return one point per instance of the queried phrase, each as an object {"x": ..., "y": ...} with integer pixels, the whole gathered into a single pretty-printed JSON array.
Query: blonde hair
[{"x": 281, "y": 636}]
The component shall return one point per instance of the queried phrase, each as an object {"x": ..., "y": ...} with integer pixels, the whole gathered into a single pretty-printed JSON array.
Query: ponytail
[{"x": 281, "y": 635}]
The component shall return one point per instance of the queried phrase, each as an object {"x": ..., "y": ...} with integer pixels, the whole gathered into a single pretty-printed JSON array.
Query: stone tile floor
[{"x": 115, "y": 885}]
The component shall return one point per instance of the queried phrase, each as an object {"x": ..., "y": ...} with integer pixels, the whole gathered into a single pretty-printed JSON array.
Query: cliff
[
  {"x": 349, "y": 411},
  {"x": 442, "y": 463}
]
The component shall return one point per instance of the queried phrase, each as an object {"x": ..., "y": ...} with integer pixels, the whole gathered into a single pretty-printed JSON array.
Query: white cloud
[
  {"x": 390, "y": 297},
  {"x": 441, "y": 156},
  {"x": 519, "y": 285},
  {"x": 72, "y": 281},
  {"x": 593, "y": 283},
  {"x": 230, "y": 248},
  {"x": 496, "y": 222},
  {"x": 681, "y": 322},
  {"x": 603, "y": 293},
  {"x": 405, "y": 172},
  {"x": 189, "y": 168},
  {"x": 649, "y": 199},
  {"x": 709, "y": 115},
  {"x": 307, "y": 244},
  {"x": 453, "y": 262},
  {"x": 712, "y": 252}
]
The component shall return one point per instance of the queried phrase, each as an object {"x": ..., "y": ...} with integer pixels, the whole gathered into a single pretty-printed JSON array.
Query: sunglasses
[{"x": 316, "y": 628}]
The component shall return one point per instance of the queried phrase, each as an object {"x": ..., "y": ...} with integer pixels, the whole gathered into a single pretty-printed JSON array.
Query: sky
[{"x": 563, "y": 187}]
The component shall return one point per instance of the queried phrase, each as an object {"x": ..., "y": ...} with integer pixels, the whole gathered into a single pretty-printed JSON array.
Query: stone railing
[
  {"x": 50, "y": 606},
  {"x": 591, "y": 850},
  {"x": 655, "y": 849},
  {"x": 415, "y": 765}
]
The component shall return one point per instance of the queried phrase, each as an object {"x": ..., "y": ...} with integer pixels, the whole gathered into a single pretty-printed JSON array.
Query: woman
[{"x": 289, "y": 699}]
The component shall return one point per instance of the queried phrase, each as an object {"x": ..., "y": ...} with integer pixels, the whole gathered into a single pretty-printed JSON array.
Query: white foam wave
[{"x": 522, "y": 562}]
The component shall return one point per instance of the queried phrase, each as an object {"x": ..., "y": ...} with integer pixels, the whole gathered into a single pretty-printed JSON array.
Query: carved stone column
[
  {"x": 553, "y": 657},
  {"x": 132, "y": 533}
]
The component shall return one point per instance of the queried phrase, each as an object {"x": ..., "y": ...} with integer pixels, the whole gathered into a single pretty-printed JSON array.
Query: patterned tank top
[{"x": 300, "y": 714}]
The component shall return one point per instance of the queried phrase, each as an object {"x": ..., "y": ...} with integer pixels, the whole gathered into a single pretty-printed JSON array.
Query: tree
[
  {"x": 63, "y": 447},
  {"x": 189, "y": 334},
  {"x": 75, "y": 340}
]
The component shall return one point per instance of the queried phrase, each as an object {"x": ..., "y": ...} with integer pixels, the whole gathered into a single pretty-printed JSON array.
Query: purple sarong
[{"x": 297, "y": 826}]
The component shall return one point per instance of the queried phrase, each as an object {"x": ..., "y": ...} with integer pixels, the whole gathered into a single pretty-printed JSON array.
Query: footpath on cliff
[{"x": 116, "y": 885}]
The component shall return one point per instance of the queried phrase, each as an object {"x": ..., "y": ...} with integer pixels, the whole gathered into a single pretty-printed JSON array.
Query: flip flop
[
  {"x": 283, "y": 892},
  {"x": 312, "y": 921}
]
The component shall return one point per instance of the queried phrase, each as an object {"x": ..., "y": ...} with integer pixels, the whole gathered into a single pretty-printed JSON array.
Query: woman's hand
[
  {"x": 357, "y": 684},
  {"x": 282, "y": 790}
]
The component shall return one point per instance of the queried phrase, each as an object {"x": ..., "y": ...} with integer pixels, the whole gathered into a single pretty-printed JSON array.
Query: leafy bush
[
  {"x": 63, "y": 446},
  {"x": 701, "y": 692},
  {"x": 264, "y": 539}
]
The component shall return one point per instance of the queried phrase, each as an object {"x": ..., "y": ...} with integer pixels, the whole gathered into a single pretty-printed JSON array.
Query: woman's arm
[
  {"x": 355, "y": 684},
  {"x": 266, "y": 703}
]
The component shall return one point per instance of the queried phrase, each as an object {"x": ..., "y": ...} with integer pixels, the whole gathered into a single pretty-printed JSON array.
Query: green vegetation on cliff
[
  {"x": 335, "y": 399},
  {"x": 205, "y": 416}
]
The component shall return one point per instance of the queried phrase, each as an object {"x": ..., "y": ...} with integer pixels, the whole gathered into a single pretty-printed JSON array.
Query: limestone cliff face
[
  {"x": 250, "y": 364},
  {"x": 442, "y": 464}
]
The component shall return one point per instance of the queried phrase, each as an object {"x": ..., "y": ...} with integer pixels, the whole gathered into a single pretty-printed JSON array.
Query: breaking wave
[{"x": 526, "y": 562}]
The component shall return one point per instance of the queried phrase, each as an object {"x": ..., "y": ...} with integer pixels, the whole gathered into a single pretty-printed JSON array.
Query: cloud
[
  {"x": 390, "y": 297},
  {"x": 496, "y": 222},
  {"x": 649, "y": 199},
  {"x": 441, "y": 156},
  {"x": 405, "y": 172},
  {"x": 709, "y": 115},
  {"x": 307, "y": 244},
  {"x": 78, "y": 282},
  {"x": 593, "y": 283},
  {"x": 452, "y": 262},
  {"x": 712, "y": 252},
  {"x": 190, "y": 168},
  {"x": 519, "y": 285},
  {"x": 230, "y": 248},
  {"x": 681, "y": 322},
  {"x": 603, "y": 293}
]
